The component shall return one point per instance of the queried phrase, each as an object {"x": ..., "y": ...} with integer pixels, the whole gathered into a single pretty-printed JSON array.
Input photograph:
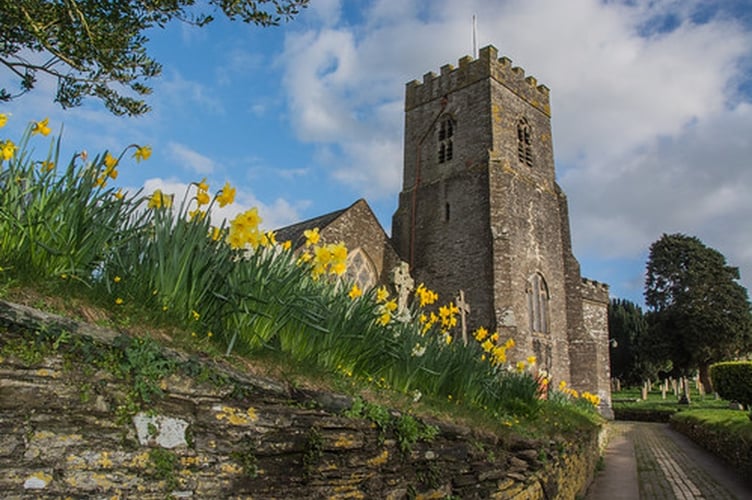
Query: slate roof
[{"x": 294, "y": 232}]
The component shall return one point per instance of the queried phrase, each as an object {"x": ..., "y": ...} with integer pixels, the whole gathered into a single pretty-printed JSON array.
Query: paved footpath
[{"x": 651, "y": 461}]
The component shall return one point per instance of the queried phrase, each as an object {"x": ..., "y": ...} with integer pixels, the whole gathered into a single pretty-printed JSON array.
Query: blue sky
[{"x": 651, "y": 104}]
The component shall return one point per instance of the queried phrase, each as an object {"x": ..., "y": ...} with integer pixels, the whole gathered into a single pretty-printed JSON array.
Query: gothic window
[
  {"x": 360, "y": 269},
  {"x": 524, "y": 143},
  {"x": 537, "y": 303},
  {"x": 446, "y": 138}
]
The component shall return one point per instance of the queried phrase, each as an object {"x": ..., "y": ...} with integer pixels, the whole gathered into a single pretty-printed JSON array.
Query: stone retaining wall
[{"x": 74, "y": 424}]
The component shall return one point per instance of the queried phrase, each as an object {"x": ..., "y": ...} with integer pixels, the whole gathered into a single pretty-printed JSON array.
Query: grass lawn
[{"x": 628, "y": 405}]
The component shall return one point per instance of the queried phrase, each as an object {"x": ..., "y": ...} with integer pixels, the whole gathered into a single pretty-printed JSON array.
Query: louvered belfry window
[
  {"x": 447, "y": 127},
  {"x": 524, "y": 143}
]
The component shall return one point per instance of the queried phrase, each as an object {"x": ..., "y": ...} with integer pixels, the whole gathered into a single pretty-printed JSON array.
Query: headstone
[
  {"x": 404, "y": 284},
  {"x": 684, "y": 399},
  {"x": 464, "y": 308},
  {"x": 664, "y": 389},
  {"x": 644, "y": 392},
  {"x": 675, "y": 386}
]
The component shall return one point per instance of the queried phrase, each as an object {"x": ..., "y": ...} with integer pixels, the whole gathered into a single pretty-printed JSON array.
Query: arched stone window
[
  {"x": 537, "y": 303},
  {"x": 360, "y": 269},
  {"x": 524, "y": 143},
  {"x": 446, "y": 138}
]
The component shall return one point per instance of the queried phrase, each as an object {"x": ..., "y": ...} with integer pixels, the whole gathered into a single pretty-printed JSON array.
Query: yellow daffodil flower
[
  {"x": 3, "y": 119},
  {"x": 312, "y": 236},
  {"x": 117, "y": 279},
  {"x": 226, "y": 196},
  {"x": 119, "y": 194},
  {"x": 269, "y": 239},
  {"x": 7, "y": 150},
  {"x": 322, "y": 256},
  {"x": 339, "y": 252},
  {"x": 391, "y": 306},
  {"x": 216, "y": 233},
  {"x": 118, "y": 301},
  {"x": 246, "y": 221},
  {"x": 197, "y": 214},
  {"x": 304, "y": 257},
  {"x": 338, "y": 269},
  {"x": 381, "y": 294},
  {"x": 202, "y": 197},
  {"x": 142, "y": 153},
  {"x": 480, "y": 334},
  {"x": 531, "y": 360},
  {"x": 385, "y": 318},
  {"x": 355, "y": 292},
  {"x": 110, "y": 161},
  {"x": 287, "y": 245},
  {"x": 425, "y": 296},
  {"x": 48, "y": 166},
  {"x": 41, "y": 127},
  {"x": 159, "y": 200},
  {"x": 203, "y": 186},
  {"x": 487, "y": 345},
  {"x": 499, "y": 354}
]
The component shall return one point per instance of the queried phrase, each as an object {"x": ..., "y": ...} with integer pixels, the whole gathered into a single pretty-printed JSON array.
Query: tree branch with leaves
[{"x": 97, "y": 48}]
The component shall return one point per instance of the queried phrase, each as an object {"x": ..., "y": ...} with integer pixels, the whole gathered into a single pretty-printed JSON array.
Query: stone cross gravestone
[
  {"x": 464, "y": 308},
  {"x": 404, "y": 284}
]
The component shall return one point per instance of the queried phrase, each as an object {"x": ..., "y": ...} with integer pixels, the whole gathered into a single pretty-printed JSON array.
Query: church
[{"x": 480, "y": 213}]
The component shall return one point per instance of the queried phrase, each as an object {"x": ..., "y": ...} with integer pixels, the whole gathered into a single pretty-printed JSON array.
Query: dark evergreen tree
[
  {"x": 97, "y": 48},
  {"x": 634, "y": 355},
  {"x": 699, "y": 313}
]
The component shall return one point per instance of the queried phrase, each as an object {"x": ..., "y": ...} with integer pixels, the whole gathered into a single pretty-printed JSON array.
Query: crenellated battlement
[
  {"x": 469, "y": 71},
  {"x": 594, "y": 290}
]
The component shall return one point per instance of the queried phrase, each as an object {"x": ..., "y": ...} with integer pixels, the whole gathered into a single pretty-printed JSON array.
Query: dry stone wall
[{"x": 88, "y": 413}]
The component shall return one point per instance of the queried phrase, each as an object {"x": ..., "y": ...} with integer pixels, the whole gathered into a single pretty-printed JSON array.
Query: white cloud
[
  {"x": 276, "y": 214},
  {"x": 646, "y": 137},
  {"x": 325, "y": 12},
  {"x": 191, "y": 159}
]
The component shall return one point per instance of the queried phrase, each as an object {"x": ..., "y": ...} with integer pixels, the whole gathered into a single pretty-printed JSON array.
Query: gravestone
[
  {"x": 404, "y": 284},
  {"x": 464, "y": 308}
]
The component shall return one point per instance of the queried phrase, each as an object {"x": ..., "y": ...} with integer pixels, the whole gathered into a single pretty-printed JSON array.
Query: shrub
[{"x": 732, "y": 380}]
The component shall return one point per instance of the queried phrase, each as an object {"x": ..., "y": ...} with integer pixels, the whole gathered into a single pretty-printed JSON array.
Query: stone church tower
[{"x": 480, "y": 211}]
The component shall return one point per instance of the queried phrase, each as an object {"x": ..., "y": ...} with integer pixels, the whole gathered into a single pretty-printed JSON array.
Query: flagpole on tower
[{"x": 475, "y": 43}]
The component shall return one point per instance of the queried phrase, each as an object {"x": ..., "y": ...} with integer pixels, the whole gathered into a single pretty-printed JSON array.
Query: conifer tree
[{"x": 697, "y": 309}]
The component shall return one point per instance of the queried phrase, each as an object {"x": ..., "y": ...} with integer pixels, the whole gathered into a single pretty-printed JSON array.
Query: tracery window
[
  {"x": 537, "y": 303},
  {"x": 360, "y": 269},
  {"x": 524, "y": 143},
  {"x": 446, "y": 135}
]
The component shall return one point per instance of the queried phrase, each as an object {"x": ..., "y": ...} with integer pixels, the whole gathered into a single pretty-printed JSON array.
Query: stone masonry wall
[
  {"x": 71, "y": 427},
  {"x": 358, "y": 227}
]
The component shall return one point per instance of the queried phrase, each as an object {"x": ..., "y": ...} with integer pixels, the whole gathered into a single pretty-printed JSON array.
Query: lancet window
[
  {"x": 537, "y": 303},
  {"x": 360, "y": 269}
]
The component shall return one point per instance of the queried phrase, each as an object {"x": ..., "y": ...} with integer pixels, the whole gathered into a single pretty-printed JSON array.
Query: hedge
[{"x": 732, "y": 380}]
